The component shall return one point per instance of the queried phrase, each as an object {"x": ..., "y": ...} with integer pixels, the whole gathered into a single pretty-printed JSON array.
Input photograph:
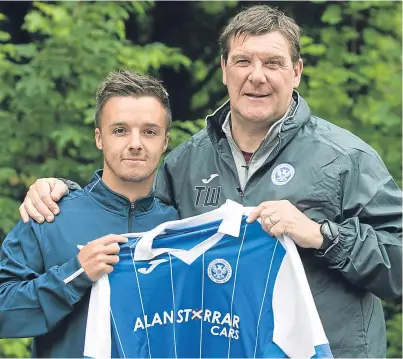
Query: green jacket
[{"x": 327, "y": 173}]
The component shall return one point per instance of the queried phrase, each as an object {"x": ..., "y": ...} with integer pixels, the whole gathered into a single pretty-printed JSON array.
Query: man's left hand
[{"x": 283, "y": 218}]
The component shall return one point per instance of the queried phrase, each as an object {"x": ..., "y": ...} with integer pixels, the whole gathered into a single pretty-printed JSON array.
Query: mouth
[
  {"x": 256, "y": 95},
  {"x": 134, "y": 159}
]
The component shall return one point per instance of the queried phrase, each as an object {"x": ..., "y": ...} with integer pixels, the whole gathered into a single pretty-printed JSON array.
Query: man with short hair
[
  {"x": 319, "y": 184},
  {"x": 45, "y": 280}
]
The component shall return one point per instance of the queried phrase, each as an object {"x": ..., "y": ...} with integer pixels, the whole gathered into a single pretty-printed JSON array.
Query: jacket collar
[
  {"x": 114, "y": 201},
  {"x": 298, "y": 116}
]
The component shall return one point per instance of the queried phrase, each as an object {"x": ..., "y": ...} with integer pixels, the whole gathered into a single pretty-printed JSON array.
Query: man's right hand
[
  {"x": 40, "y": 201},
  {"x": 99, "y": 255}
]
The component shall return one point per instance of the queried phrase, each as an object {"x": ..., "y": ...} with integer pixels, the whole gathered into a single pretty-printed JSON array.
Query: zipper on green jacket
[{"x": 270, "y": 159}]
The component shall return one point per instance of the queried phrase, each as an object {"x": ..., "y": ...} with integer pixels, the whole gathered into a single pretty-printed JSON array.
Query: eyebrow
[
  {"x": 114, "y": 124},
  {"x": 266, "y": 56},
  {"x": 150, "y": 124},
  {"x": 147, "y": 124},
  {"x": 239, "y": 57}
]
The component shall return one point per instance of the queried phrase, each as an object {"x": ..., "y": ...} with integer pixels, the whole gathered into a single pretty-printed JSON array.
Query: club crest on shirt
[
  {"x": 282, "y": 174},
  {"x": 219, "y": 271}
]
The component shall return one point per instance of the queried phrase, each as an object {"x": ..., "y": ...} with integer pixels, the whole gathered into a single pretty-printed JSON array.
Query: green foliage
[
  {"x": 394, "y": 335},
  {"x": 15, "y": 348},
  {"x": 358, "y": 67},
  {"x": 181, "y": 131},
  {"x": 48, "y": 87}
]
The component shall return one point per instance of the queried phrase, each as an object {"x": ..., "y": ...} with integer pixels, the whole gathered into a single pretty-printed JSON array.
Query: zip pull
[
  {"x": 131, "y": 208},
  {"x": 240, "y": 192}
]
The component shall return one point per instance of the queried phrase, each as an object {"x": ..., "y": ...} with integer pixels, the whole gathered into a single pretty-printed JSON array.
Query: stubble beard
[{"x": 130, "y": 178}]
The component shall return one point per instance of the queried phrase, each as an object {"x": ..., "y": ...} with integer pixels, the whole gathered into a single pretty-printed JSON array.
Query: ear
[
  {"x": 223, "y": 67},
  {"x": 297, "y": 73},
  {"x": 167, "y": 136},
  {"x": 98, "y": 139}
]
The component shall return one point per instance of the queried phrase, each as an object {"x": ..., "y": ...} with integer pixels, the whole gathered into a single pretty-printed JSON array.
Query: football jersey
[{"x": 210, "y": 286}]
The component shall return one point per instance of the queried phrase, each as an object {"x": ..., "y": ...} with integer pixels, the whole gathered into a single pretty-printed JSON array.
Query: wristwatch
[{"x": 330, "y": 234}]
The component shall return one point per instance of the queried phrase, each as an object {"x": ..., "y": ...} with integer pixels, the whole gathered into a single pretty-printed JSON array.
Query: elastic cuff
[
  {"x": 74, "y": 277},
  {"x": 338, "y": 252},
  {"x": 71, "y": 186}
]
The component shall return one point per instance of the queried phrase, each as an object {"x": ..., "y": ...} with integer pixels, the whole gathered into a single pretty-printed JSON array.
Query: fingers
[
  {"x": 98, "y": 257},
  {"x": 112, "y": 238},
  {"x": 59, "y": 190},
  {"x": 269, "y": 220},
  {"x": 34, "y": 201},
  {"x": 23, "y": 213},
  {"x": 113, "y": 248},
  {"x": 112, "y": 260},
  {"x": 255, "y": 214},
  {"x": 108, "y": 269},
  {"x": 31, "y": 210},
  {"x": 277, "y": 230},
  {"x": 262, "y": 210},
  {"x": 107, "y": 259},
  {"x": 48, "y": 190}
]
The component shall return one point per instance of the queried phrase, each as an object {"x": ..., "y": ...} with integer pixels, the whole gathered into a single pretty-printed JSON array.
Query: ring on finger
[{"x": 271, "y": 220}]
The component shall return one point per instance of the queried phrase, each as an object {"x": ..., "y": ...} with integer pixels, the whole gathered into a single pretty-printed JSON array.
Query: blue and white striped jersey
[{"x": 210, "y": 286}]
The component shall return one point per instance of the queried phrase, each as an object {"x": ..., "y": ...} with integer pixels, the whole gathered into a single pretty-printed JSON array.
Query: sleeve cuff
[
  {"x": 338, "y": 251},
  {"x": 71, "y": 186},
  {"x": 74, "y": 277}
]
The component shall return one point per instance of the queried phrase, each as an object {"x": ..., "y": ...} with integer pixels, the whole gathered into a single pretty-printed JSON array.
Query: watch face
[{"x": 326, "y": 231}]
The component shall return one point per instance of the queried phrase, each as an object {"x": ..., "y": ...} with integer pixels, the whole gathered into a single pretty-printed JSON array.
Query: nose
[
  {"x": 135, "y": 142},
  {"x": 257, "y": 75}
]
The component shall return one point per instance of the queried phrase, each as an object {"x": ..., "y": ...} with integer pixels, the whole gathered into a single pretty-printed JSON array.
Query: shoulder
[
  {"x": 73, "y": 199},
  {"x": 186, "y": 148},
  {"x": 347, "y": 146},
  {"x": 169, "y": 213}
]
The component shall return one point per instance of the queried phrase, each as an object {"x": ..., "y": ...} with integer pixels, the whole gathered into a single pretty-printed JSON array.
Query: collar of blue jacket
[{"x": 114, "y": 201}]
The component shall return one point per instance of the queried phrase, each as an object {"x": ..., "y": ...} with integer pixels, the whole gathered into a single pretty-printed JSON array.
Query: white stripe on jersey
[
  {"x": 202, "y": 307},
  {"x": 264, "y": 297},
  {"x": 117, "y": 331},
  {"x": 173, "y": 301},
  {"x": 141, "y": 301},
  {"x": 233, "y": 289}
]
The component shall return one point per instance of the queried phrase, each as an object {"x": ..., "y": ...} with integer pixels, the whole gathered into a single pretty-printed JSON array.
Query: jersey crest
[{"x": 219, "y": 271}]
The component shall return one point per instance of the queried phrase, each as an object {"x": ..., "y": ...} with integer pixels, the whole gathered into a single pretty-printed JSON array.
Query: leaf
[{"x": 332, "y": 15}]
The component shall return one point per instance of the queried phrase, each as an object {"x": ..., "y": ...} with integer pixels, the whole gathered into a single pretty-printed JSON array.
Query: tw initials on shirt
[{"x": 209, "y": 196}]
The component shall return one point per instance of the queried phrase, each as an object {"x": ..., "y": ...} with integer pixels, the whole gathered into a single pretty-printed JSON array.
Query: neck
[
  {"x": 132, "y": 190},
  {"x": 248, "y": 137}
]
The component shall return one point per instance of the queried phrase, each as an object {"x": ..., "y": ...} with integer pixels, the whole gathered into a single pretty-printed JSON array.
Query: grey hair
[
  {"x": 259, "y": 20},
  {"x": 125, "y": 83}
]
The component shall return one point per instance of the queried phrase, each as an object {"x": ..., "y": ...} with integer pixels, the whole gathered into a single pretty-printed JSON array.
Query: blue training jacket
[{"x": 43, "y": 291}]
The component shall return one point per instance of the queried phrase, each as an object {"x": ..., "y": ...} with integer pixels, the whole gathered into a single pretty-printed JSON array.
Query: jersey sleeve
[
  {"x": 298, "y": 330},
  {"x": 98, "y": 330}
]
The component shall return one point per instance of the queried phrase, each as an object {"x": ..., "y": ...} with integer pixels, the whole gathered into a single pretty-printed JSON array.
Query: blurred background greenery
[{"x": 54, "y": 54}]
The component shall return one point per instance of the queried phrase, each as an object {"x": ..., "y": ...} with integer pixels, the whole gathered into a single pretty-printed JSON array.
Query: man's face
[
  {"x": 260, "y": 77},
  {"x": 132, "y": 136}
]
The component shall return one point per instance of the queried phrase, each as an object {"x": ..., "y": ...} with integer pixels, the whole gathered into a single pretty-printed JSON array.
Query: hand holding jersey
[
  {"x": 283, "y": 218},
  {"x": 185, "y": 289},
  {"x": 99, "y": 255}
]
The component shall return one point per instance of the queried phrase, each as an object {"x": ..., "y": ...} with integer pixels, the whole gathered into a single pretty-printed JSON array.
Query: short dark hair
[
  {"x": 124, "y": 83},
  {"x": 259, "y": 20}
]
